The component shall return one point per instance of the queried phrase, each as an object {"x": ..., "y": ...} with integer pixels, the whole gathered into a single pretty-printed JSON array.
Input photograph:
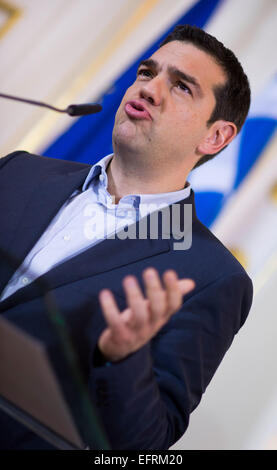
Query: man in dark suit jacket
[{"x": 147, "y": 355}]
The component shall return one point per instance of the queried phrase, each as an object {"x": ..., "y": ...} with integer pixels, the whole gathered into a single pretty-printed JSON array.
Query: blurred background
[{"x": 73, "y": 51}]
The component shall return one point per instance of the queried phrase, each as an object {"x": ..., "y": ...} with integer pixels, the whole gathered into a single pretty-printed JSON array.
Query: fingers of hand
[
  {"x": 160, "y": 302},
  {"x": 155, "y": 294},
  {"x": 186, "y": 285},
  {"x": 118, "y": 330},
  {"x": 109, "y": 308},
  {"x": 174, "y": 293},
  {"x": 136, "y": 302}
]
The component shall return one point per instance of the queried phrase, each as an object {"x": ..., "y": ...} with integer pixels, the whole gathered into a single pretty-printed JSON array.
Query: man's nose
[{"x": 152, "y": 91}]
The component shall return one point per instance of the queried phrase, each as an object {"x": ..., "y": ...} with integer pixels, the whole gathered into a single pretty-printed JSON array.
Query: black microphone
[
  {"x": 72, "y": 109},
  {"x": 82, "y": 109}
]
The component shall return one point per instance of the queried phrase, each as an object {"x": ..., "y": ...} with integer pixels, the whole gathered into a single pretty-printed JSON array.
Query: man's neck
[{"x": 125, "y": 179}]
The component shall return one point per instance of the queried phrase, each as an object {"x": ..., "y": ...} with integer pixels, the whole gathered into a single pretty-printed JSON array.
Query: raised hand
[{"x": 131, "y": 329}]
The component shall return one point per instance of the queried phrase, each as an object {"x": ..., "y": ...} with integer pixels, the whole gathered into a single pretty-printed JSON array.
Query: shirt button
[
  {"x": 66, "y": 237},
  {"x": 25, "y": 280},
  {"x": 101, "y": 177}
]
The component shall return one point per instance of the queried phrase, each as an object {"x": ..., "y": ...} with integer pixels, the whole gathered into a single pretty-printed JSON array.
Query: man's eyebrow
[{"x": 154, "y": 65}]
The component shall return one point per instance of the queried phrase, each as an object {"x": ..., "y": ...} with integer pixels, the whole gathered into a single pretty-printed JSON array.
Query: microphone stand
[{"x": 72, "y": 109}]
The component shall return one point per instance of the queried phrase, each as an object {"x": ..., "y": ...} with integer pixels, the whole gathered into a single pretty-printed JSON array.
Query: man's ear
[{"x": 220, "y": 134}]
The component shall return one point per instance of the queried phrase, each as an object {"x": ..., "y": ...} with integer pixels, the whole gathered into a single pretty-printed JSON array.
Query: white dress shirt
[{"x": 87, "y": 218}]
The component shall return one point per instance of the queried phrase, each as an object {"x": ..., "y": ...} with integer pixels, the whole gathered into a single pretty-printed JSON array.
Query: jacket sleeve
[{"x": 145, "y": 400}]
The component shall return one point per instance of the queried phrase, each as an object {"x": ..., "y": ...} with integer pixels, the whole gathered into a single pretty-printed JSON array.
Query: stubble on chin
[{"x": 124, "y": 133}]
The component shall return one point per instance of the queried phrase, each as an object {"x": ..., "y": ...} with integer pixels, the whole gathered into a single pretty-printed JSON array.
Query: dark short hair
[{"x": 232, "y": 98}]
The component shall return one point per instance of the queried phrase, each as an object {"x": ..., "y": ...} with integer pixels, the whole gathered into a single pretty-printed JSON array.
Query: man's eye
[
  {"x": 144, "y": 73},
  {"x": 183, "y": 87}
]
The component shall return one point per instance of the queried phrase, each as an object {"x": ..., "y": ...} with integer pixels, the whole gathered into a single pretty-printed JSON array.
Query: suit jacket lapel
[
  {"x": 29, "y": 219},
  {"x": 106, "y": 255}
]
